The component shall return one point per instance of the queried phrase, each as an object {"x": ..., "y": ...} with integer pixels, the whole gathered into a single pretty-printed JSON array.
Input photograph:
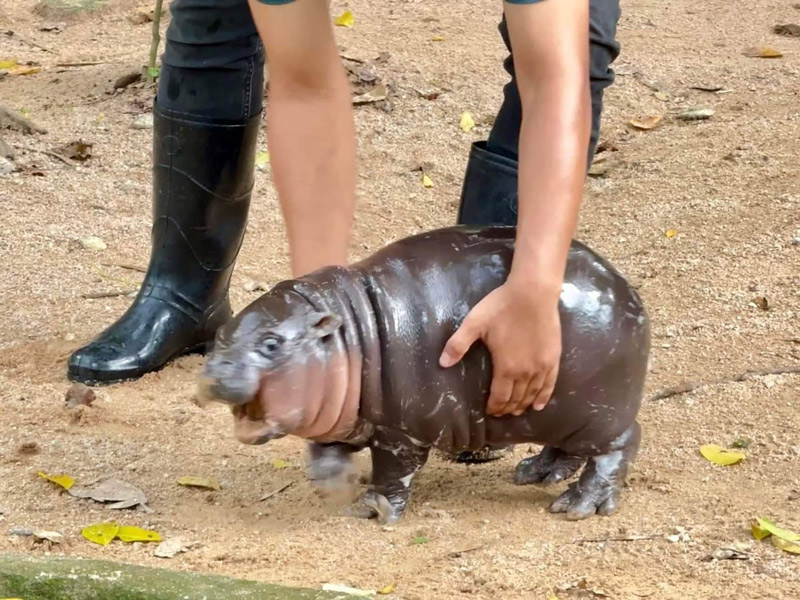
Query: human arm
[
  {"x": 519, "y": 321},
  {"x": 310, "y": 131}
]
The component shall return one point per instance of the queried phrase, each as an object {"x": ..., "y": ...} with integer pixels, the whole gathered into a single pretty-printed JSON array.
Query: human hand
[{"x": 521, "y": 327}]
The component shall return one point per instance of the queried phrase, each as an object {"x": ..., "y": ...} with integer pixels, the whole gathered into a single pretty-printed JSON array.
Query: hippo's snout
[{"x": 227, "y": 381}]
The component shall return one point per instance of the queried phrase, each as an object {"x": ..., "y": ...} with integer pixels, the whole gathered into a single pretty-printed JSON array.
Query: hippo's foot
[
  {"x": 599, "y": 487},
  {"x": 483, "y": 455},
  {"x": 396, "y": 458},
  {"x": 550, "y": 466},
  {"x": 331, "y": 466}
]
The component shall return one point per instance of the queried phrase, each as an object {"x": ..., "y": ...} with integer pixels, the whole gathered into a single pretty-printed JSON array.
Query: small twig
[
  {"x": 90, "y": 63},
  {"x": 459, "y": 553},
  {"x": 691, "y": 386},
  {"x": 60, "y": 157},
  {"x": 136, "y": 268},
  {"x": 151, "y": 64},
  {"x": 101, "y": 295},
  {"x": 351, "y": 58},
  {"x": 10, "y": 33},
  {"x": 269, "y": 495},
  {"x": 618, "y": 538}
]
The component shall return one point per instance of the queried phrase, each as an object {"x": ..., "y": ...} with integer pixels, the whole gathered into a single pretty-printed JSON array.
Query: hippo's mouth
[{"x": 251, "y": 425}]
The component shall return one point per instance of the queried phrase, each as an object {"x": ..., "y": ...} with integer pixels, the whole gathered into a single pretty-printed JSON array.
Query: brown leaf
[
  {"x": 127, "y": 79},
  {"x": 789, "y": 29},
  {"x": 646, "y": 123},
  {"x": 376, "y": 94},
  {"x": 79, "y": 150},
  {"x": 79, "y": 394},
  {"x": 760, "y": 302},
  {"x": 120, "y": 493},
  {"x": 762, "y": 52},
  {"x": 367, "y": 73}
]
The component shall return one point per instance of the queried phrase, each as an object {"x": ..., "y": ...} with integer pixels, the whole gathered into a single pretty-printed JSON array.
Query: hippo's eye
[{"x": 270, "y": 344}]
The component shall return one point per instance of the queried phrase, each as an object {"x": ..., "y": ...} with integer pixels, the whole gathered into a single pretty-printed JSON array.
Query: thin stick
[
  {"x": 136, "y": 268},
  {"x": 100, "y": 295},
  {"x": 151, "y": 65},
  {"x": 90, "y": 63},
  {"x": 10, "y": 33},
  {"x": 60, "y": 157},
  {"x": 459, "y": 553},
  {"x": 691, "y": 386},
  {"x": 269, "y": 495},
  {"x": 618, "y": 538}
]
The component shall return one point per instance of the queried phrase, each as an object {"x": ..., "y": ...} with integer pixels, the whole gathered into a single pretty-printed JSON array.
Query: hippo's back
[{"x": 422, "y": 287}]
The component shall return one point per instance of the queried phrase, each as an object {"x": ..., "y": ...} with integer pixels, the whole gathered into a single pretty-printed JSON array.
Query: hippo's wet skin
[{"x": 349, "y": 357}]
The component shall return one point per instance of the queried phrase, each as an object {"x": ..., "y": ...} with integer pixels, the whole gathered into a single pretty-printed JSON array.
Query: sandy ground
[{"x": 727, "y": 185}]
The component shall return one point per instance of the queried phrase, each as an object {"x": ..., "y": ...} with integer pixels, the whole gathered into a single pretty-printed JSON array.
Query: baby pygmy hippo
[{"x": 349, "y": 355}]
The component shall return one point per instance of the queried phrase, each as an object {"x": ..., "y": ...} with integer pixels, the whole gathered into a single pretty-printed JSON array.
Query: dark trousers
[{"x": 213, "y": 67}]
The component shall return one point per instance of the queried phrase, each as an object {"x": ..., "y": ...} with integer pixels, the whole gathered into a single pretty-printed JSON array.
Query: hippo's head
[{"x": 260, "y": 362}]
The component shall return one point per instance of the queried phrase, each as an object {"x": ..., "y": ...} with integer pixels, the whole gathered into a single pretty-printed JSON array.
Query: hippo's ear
[{"x": 322, "y": 324}]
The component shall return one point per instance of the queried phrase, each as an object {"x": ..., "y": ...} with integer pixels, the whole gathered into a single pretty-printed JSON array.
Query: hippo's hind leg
[
  {"x": 600, "y": 485},
  {"x": 550, "y": 466},
  {"x": 396, "y": 458}
]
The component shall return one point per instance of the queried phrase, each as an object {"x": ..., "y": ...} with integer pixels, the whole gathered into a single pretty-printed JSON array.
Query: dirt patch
[{"x": 726, "y": 185}]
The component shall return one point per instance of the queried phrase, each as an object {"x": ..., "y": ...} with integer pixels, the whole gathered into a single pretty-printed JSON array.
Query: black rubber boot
[{"x": 202, "y": 182}]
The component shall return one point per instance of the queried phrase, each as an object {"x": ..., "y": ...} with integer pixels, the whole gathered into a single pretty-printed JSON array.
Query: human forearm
[
  {"x": 310, "y": 131},
  {"x": 551, "y": 59}
]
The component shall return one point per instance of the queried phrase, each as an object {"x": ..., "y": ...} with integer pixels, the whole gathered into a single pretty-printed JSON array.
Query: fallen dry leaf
[
  {"x": 426, "y": 181},
  {"x": 719, "y": 456},
  {"x": 100, "y": 533},
  {"x": 582, "y": 587},
  {"x": 707, "y": 88},
  {"x": 789, "y": 29},
  {"x": 663, "y": 96},
  {"x": 762, "y": 52},
  {"x": 128, "y": 79},
  {"x": 697, "y": 114},
  {"x": 376, "y": 94},
  {"x": 437, "y": 38},
  {"x": 345, "y": 19},
  {"x": 262, "y": 160},
  {"x": 730, "y": 553},
  {"x": 201, "y": 482},
  {"x": 387, "y": 589},
  {"x": 254, "y": 286},
  {"x": 64, "y": 481},
  {"x": 130, "y": 534},
  {"x": 762, "y": 527},
  {"x": 140, "y": 18},
  {"x": 78, "y": 394},
  {"x": 93, "y": 242},
  {"x": 79, "y": 150},
  {"x": 670, "y": 233},
  {"x": 279, "y": 463},
  {"x": 49, "y": 536},
  {"x": 467, "y": 123},
  {"x": 120, "y": 494},
  {"x": 760, "y": 302},
  {"x": 786, "y": 546},
  {"x": 170, "y": 548},
  {"x": 646, "y": 123}
]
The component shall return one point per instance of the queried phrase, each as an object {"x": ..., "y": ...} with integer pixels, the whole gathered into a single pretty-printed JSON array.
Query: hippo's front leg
[
  {"x": 331, "y": 465},
  {"x": 396, "y": 458}
]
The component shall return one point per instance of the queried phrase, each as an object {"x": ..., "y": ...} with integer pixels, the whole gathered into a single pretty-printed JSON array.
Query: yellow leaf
[
  {"x": 646, "y": 123},
  {"x": 437, "y": 38},
  {"x": 8, "y": 64},
  {"x": 467, "y": 122},
  {"x": 129, "y": 533},
  {"x": 262, "y": 159},
  {"x": 663, "y": 96},
  {"x": 426, "y": 181},
  {"x": 279, "y": 463},
  {"x": 720, "y": 456},
  {"x": 64, "y": 481},
  {"x": 203, "y": 482},
  {"x": 759, "y": 533},
  {"x": 345, "y": 19},
  {"x": 670, "y": 233},
  {"x": 770, "y": 527},
  {"x": 786, "y": 545},
  {"x": 387, "y": 589},
  {"x": 23, "y": 70},
  {"x": 765, "y": 52},
  {"x": 101, "y": 533}
]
